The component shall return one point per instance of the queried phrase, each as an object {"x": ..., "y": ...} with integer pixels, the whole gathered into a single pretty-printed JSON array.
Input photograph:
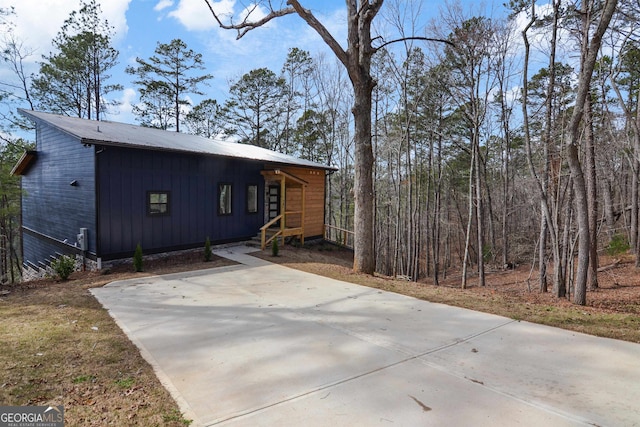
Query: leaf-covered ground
[{"x": 612, "y": 311}]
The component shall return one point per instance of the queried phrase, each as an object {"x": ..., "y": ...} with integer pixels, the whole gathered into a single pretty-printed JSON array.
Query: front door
[{"x": 274, "y": 201}]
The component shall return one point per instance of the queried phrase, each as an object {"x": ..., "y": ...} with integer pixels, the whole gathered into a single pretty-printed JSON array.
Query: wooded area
[{"x": 494, "y": 141}]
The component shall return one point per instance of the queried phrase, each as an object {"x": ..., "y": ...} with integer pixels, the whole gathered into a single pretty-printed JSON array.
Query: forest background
[{"x": 471, "y": 137}]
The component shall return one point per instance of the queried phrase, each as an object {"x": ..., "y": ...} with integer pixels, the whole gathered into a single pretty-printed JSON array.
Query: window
[
  {"x": 158, "y": 203},
  {"x": 224, "y": 199},
  {"x": 252, "y": 198}
]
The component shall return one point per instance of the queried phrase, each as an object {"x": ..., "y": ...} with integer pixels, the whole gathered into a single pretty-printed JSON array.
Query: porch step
[{"x": 256, "y": 240}]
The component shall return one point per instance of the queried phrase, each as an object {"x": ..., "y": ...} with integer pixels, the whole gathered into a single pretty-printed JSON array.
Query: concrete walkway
[{"x": 259, "y": 344}]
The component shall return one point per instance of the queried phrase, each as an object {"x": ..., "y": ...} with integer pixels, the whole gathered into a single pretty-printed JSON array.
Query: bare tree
[
  {"x": 356, "y": 58},
  {"x": 590, "y": 48},
  {"x": 549, "y": 219}
]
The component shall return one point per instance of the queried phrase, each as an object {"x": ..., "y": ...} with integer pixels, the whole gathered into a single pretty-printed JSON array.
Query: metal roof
[{"x": 128, "y": 135}]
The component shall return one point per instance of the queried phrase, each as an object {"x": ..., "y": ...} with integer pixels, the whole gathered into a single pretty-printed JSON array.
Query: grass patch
[
  {"x": 84, "y": 379},
  {"x": 61, "y": 348},
  {"x": 125, "y": 383},
  {"x": 176, "y": 417}
]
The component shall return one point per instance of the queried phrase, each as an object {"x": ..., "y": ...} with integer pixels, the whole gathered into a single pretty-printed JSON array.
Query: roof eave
[{"x": 26, "y": 160}]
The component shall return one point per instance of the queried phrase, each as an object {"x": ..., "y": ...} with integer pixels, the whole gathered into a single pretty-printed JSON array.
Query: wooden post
[
  {"x": 304, "y": 187},
  {"x": 283, "y": 206}
]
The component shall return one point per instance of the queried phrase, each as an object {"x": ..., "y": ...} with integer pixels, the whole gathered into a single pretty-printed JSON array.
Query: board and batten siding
[
  {"x": 126, "y": 175},
  {"x": 51, "y": 207}
]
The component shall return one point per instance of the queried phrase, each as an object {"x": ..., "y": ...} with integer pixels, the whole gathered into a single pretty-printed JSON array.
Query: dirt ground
[
  {"x": 618, "y": 287},
  {"x": 613, "y": 310}
]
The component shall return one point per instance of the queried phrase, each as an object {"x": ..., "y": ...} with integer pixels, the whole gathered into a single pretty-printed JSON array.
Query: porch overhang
[
  {"x": 280, "y": 175},
  {"x": 286, "y": 180}
]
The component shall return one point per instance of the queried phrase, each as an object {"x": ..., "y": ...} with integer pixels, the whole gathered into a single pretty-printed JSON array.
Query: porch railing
[
  {"x": 264, "y": 241},
  {"x": 339, "y": 236},
  {"x": 282, "y": 231}
]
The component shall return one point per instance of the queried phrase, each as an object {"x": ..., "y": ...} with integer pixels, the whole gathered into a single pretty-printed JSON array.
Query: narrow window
[
  {"x": 158, "y": 203},
  {"x": 252, "y": 198},
  {"x": 224, "y": 199}
]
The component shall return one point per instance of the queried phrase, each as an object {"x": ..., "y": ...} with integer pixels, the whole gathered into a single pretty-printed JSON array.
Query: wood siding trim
[
  {"x": 314, "y": 199},
  {"x": 27, "y": 159}
]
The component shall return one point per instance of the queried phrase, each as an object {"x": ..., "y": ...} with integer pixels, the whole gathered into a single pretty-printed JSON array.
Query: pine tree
[
  {"x": 165, "y": 80},
  {"x": 72, "y": 79},
  {"x": 255, "y": 110}
]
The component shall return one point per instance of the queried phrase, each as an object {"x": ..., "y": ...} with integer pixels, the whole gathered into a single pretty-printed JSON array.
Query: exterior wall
[
  {"x": 125, "y": 177},
  {"x": 52, "y": 208},
  {"x": 314, "y": 200}
]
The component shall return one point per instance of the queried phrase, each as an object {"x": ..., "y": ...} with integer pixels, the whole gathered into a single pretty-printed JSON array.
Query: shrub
[
  {"x": 274, "y": 247},
  {"x": 487, "y": 253},
  {"x": 64, "y": 266},
  {"x": 617, "y": 245},
  {"x": 207, "y": 250},
  {"x": 137, "y": 258}
]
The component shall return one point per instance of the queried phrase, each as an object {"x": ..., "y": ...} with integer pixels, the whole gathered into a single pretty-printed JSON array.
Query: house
[{"x": 96, "y": 189}]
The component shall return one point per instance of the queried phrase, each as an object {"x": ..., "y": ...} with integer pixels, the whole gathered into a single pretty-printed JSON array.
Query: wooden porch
[{"x": 291, "y": 218}]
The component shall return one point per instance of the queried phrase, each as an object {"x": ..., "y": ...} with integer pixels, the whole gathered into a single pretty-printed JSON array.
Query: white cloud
[
  {"x": 567, "y": 50},
  {"x": 163, "y": 4},
  {"x": 194, "y": 15},
  {"x": 253, "y": 13},
  {"x": 37, "y": 22},
  {"x": 228, "y": 59},
  {"x": 129, "y": 96},
  {"x": 114, "y": 11},
  {"x": 123, "y": 113}
]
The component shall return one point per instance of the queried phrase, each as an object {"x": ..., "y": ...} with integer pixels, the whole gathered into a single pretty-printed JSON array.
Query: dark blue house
[{"x": 97, "y": 189}]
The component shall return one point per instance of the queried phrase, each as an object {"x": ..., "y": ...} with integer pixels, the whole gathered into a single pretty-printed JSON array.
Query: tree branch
[
  {"x": 427, "y": 39},
  {"x": 245, "y": 26},
  {"x": 313, "y": 22}
]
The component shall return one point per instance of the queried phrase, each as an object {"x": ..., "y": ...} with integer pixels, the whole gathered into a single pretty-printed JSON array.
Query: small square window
[
  {"x": 224, "y": 199},
  {"x": 252, "y": 198},
  {"x": 158, "y": 203}
]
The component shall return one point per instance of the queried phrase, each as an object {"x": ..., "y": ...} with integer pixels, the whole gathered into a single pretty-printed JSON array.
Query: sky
[{"x": 140, "y": 24}]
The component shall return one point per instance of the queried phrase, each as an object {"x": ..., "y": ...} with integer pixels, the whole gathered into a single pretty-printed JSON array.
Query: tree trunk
[
  {"x": 559, "y": 268},
  {"x": 542, "y": 182},
  {"x": 364, "y": 256},
  {"x": 633, "y": 234},
  {"x": 506, "y": 187},
  {"x": 590, "y": 50},
  {"x": 435, "y": 240},
  {"x": 467, "y": 241},
  {"x": 592, "y": 194},
  {"x": 479, "y": 214},
  {"x": 582, "y": 216},
  {"x": 542, "y": 249},
  {"x": 635, "y": 188}
]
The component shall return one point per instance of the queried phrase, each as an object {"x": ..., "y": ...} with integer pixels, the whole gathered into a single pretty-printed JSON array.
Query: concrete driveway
[{"x": 259, "y": 344}]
